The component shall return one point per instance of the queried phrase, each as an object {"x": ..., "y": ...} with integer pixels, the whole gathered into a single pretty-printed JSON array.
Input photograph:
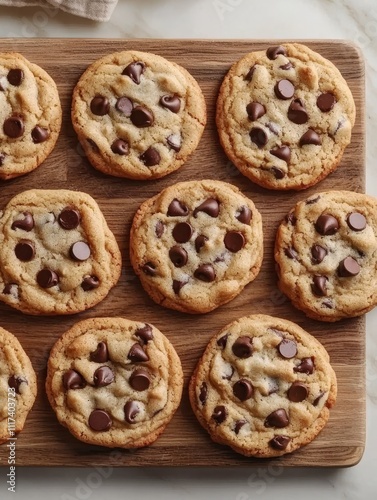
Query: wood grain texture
[{"x": 44, "y": 441}]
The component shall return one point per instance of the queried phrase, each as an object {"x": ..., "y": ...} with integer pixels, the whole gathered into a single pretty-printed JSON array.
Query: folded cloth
[{"x": 98, "y": 10}]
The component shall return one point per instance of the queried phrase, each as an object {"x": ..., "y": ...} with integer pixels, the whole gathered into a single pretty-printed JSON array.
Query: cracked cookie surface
[
  {"x": 18, "y": 384},
  {"x": 114, "y": 382},
  {"x": 263, "y": 386},
  {"x": 196, "y": 245},
  {"x": 57, "y": 255},
  {"x": 326, "y": 252},
  {"x": 285, "y": 116},
  {"x": 138, "y": 115},
  {"x": 30, "y": 115}
]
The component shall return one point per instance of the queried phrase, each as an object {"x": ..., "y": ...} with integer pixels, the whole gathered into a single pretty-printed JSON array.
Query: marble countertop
[{"x": 294, "y": 19}]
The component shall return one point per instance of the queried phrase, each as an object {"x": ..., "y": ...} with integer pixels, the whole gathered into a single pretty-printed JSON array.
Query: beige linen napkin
[{"x": 98, "y": 10}]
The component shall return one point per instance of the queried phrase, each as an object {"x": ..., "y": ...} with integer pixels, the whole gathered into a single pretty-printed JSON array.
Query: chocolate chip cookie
[
  {"x": 30, "y": 115},
  {"x": 18, "y": 386},
  {"x": 285, "y": 116},
  {"x": 326, "y": 254},
  {"x": 263, "y": 386},
  {"x": 57, "y": 254},
  {"x": 196, "y": 245},
  {"x": 114, "y": 382},
  {"x": 138, "y": 115}
]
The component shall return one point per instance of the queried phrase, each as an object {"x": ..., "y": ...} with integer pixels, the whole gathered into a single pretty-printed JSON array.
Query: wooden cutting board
[{"x": 44, "y": 441}]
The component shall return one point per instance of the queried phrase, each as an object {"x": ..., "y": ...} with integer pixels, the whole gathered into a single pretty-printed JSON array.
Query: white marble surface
[{"x": 350, "y": 19}]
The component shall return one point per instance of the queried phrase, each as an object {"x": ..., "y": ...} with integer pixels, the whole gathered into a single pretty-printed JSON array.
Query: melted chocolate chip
[
  {"x": 284, "y": 89},
  {"x": 244, "y": 215},
  {"x": 310, "y": 137},
  {"x": 219, "y": 414},
  {"x": 291, "y": 219},
  {"x": 14, "y": 127},
  {"x": 287, "y": 348},
  {"x": 25, "y": 250},
  {"x": 291, "y": 253},
  {"x": 348, "y": 267},
  {"x": 182, "y": 232},
  {"x": 69, "y": 218},
  {"x": 150, "y": 157},
  {"x": 286, "y": 66},
  {"x": 273, "y": 52},
  {"x": 297, "y": 392},
  {"x": 171, "y": 102},
  {"x": 175, "y": 142},
  {"x": 134, "y": 71},
  {"x": 73, "y": 380},
  {"x": 137, "y": 354},
  {"x": 258, "y": 136},
  {"x": 326, "y": 102},
  {"x": 221, "y": 342},
  {"x": 11, "y": 289},
  {"x": 101, "y": 354},
  {"x": 145, "y": 333},
  {"x": 356, "y": 221},
  {"x": 238, "y": 426},
  {"x": 243, "y": 347},
  {"x": 131, "y": 410},
  {"x": 149, "y": 269},
  {"x": 306, "y": 366},
  {"x": 26, "y": 224},
  {"x": 243, "y": 389},
  {"x": 46, "y": 278},
  {"x": 319, "y": 286},
  {"x": 234, "y": 241},
  {"x": 297, "y": 112},
  {"x": 39, "y": 134},
  {"x": 200, "y": 241},
  {"x": 178, "y": 285},
  {"x": 100, "y": 105},
  {"x": 14, "y": 382},
  {"x": 80, "y": 251},
  {"x": 203, "y": 394},
  {"x": 142, "y": 117},
  {"x": 255, "y": 110},
  {"x": 279, "y": 443},
  {"x": 90, "y": 283},
  {"x": 327, "y": 225},
  {"x": 140, "y": 379},
  {"x": 318, "y": 254},
  {"x": 328, "y": 303},
  {"x": 177, "y": 208},
  {"x": 311, "y": 201},
  {"x": 211, "y": 207},
  {"x": 159, "y": 228},
  {"x": 103, "y": 376},
  {"x": 125, "y": 106},
  {"x": 178, "y": 256},
  {"x": 318, "y": 398},
  {"x": 205, "y": 272},
  {"x": 250, "y": 73},
  {"x": 100, "y": 420},
  {"x": 15, "y": 77},
  {"x": 277, "y": 418},
  {"x": 282, "y": 152},
  {"x": 120, "y": 147},
  {"x": 277, "y": 172}
]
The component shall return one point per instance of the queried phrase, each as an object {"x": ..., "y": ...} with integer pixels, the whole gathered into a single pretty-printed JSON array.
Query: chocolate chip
[
  {"x": 297, "y": 112},
  {"x": 206, "y": 273},
  {"x": 200, "y": 241},
  {"x": 284, "y": 89},
  {"x": 297, "y": 392},
  {"x": 131, "y": 410},
  {"x": 311, "y": 201},
  {"x": 203, "y": 394},
  {"x": 250, "y": 73},
  {"x": 125, "y": 106},
  {"x": 291, "y": 219},
  {"x": 178, "y": 285},
  {"x": 101, "y": 354},
  {"x": 14, "y": 382},
  {"x": 178, "y": 256},
  {"x": 15, "y": 77},
  {"x": 348, "y": 267},
  {"x": 159, "y": 228},
  {"x": 25, "y": 250},
  {"x": 14, "y": 127},
  {"x": 182, "y": 232},
  {"x": 103, "y": 376},
  {"x": 46, "y": 278},
  {"x": 73, "y": 380},
  {"x": 318, "y": 254},
  {"x": 140, "y": 380},
  {"x": 318, "y": 398},
  {"x": 326, "y": 102},
  {"x": 69, "y": 218},
  {"x": 310, "y": 137},
  {"x": 306, "y": 366},
  {"x": 100, "y": 420},
  {"x": 80, "y": 251},
  {"x": 120, "y": 147},
  {"x": 149, "y": 269},
  {"x": 277, "y": 172},
  {"x": 137, "y": 354},
  {"x": 238, "y": 426},
  {"x": 26, "y": 224},
  {"x": 134, "y": 71},
  {"x": 39, "y": 134},
  {"x": 319, "y": 286},
  {"x": 221, "y": 342},
  {"x": 273, "y": 52},
  {"x": 279, "y": 443},
  {"x": 100, "y": 105},
  {"x": 175, "y": 142},
  {"x": 258, "y": 136},
  {"x": 234, "y": 241},
  {"x": 145, "y": 333},
  {"x": 243, "y": 389},
  {"x": 142, "y": 117},
  {"x": 150, "y": 157},
  {"x": 326, "y": 225},
  {"x": 277, "y": 418},
  {"x": 287, "y": 348},
  {"x": 286, "y": 66},
  {"x": 356, "y": 221},
  {"x": 290, "y": 253},
  {"x": 255, "y": 110},
  {"x": 211, "y": 207},
  {"x": 219, "y": 414},
  {"x": 244, "y": 215},
  {"x": 90, "y": 283},
  {"x": 171, "y": 102},
  {"x": 177, "y": 208},
  {"x": 282, "y": 152},
  {"x": 2, "y": 159},
  {"x": 243, "y": 347}
]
